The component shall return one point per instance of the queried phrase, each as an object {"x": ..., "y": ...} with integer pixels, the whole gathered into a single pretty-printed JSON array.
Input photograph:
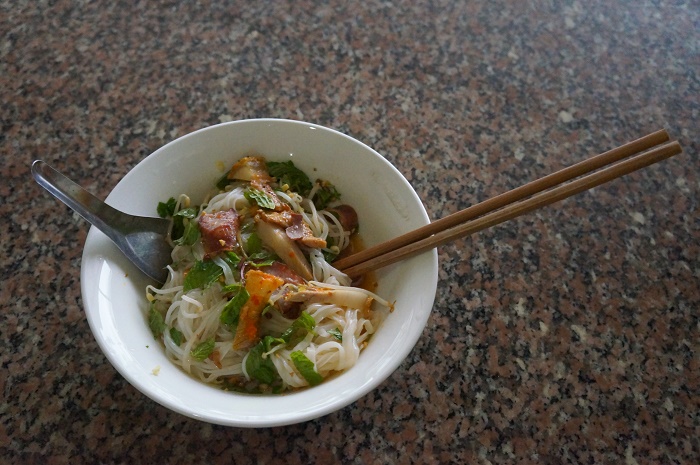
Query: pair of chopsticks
[{"x": 552, "y": 188}]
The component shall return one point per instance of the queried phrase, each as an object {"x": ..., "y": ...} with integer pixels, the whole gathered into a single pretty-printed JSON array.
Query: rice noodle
[{"x": 193, "y": 316}]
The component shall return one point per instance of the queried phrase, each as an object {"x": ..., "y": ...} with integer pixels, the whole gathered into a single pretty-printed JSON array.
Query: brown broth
[{"x": 367, "y": 281}]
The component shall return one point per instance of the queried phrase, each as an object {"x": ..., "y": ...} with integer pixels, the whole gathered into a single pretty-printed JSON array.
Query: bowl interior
[{"x": 113, "y": 290}]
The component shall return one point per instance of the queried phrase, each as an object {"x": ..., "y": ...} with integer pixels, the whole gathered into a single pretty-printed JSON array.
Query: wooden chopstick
[
  {"x": 511, "y": 204},
  {"x": 506, "y": 198}
]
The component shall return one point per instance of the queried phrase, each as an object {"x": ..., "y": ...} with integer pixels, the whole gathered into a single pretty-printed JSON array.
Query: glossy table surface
[{"x": 570, "y": 335}]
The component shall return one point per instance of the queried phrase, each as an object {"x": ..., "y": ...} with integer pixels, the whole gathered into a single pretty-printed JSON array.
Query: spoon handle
[{"x": 114, "y": 223}]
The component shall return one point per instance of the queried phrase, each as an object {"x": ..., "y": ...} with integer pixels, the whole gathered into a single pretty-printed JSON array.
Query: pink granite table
[{"x": 568, "y": 336}]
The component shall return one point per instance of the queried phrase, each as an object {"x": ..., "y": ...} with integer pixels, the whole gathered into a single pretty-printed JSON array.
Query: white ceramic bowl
[{"x": 113, "y": 290}]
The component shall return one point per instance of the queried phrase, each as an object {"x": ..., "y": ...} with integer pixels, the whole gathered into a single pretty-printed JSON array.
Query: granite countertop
[{"x": 570, "y": 335}]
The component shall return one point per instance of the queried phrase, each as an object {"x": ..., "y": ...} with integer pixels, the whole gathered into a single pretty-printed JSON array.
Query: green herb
[
  {"x": 231, "y": 259},
  {"x": 231, "y": 288},
  {"x": 155, "y": 321},
  {"x": 265, "y": 259},
  {"x": 306, "y": 368},
  {"x": 326, "y": 194},
  {"x": 184, "y": 232},
  {"x": 176, "y": 336},
  {"x": 223, "y": 182},
  {"x": 261, "y": 198},
  {"x": 299, "y": 329},
  {"x": 336, "y": 333},
  {"x": 269, "y": 342},
  {"x": 287, "y": 173},
  {"x": 267, "y": 309},
  {"x": 202, "y": 275},
  {"x": 232, "y": 310},
  {"x": 180, "y": 233},
  {"x": 178, "y": 229},
  {"x": 190, "y": 234},
  {"x": 203, "y": 349},
  {"x": 190, "y": 212},
  {"x": 166, "y": 209},
  {"x": 252, "y": 244},
  {"x": 259, "y": 367},
  {"x": 327, "y": 254}
]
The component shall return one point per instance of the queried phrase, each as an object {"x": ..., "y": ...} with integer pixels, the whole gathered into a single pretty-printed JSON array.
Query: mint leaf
[
  {"x": 326, "y": 194},
  {"x": 166, "y": 209},
  {"x": 231, "y": 259},
  {"x": 259, "y": 197},
  {"x": 253, "y": 244},
  {"x": 268, "y": 308},
  {"x": 178, "y": 228},
  {"x": 203, "y": 349},
  {"x": 259, "y": 367},
  {"x": 269, "y": 342},
  {"x": 156, "y": 322},
  {"x": 191, "y": 212},
  {"x": 267, "y": 259},
  {"x": 190, "y": 234},
  {"x": 299, "y": 329},
  {"x": 176, "y": 336},
  {"x": 232, "y": 310},
  {"x": 287, "y": 173},
  {"x": 202, "y": 275},
  {"x": 306, "y": 368},
  {"x": 231, "y": 288},
  {"x": 329, "y": 256},
  {"x": 336, "y": 334},
  {"x": 185, "y": 232}
]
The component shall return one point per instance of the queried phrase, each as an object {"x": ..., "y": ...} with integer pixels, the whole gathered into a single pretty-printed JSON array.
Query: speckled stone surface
[{"x": 571, "y": 335}]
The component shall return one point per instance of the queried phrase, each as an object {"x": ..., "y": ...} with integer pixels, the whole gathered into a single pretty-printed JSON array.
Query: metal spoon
[{"x": 142, "y": 239}]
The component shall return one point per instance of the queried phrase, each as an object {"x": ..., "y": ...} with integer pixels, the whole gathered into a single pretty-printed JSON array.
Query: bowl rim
[{"x": 135, "y": 381}]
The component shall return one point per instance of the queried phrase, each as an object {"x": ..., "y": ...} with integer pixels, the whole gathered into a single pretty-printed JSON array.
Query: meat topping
[{"x": 219, "y": 231}]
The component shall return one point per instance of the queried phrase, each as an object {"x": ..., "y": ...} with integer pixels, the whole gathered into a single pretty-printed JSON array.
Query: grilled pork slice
[{"x": 219, "y": 231}]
